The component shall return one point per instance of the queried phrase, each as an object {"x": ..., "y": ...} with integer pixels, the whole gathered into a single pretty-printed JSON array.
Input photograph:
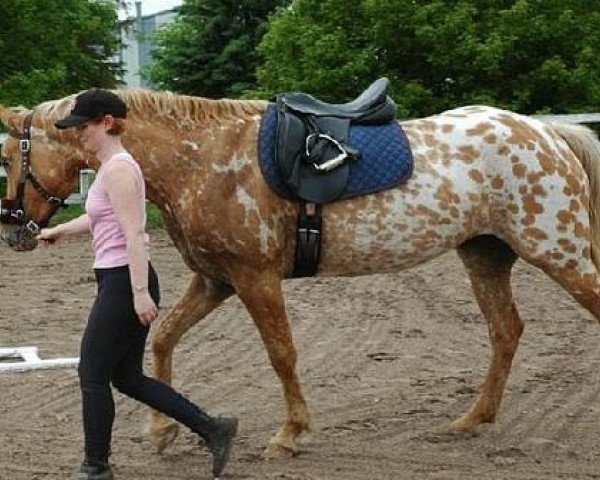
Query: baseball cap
[{"x": 91, "y": 104}]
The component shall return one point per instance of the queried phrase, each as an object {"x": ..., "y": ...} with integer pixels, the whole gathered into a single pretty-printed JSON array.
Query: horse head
[{"x": 41, "y": 172}]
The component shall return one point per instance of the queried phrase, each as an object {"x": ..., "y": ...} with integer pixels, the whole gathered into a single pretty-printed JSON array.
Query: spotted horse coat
[{"x": 489, "y": 183}]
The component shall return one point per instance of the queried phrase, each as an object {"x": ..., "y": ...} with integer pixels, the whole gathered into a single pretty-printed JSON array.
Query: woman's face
[{"x": 92, "y": 134}]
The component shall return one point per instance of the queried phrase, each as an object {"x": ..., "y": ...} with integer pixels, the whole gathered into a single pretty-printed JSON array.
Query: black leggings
[{"x": 112, "y": 351}]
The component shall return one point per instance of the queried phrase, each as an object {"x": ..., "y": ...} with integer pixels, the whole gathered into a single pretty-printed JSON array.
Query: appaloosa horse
[{"x": 490, "y": 183}]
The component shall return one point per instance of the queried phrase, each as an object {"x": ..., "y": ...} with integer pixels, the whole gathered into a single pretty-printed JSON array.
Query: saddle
[
  {"x": 313, "y": 156},
  {"x": 311, "y": 139}
]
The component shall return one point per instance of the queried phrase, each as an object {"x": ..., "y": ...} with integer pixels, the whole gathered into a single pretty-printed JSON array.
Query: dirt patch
[{"x": 387, "y": 361}]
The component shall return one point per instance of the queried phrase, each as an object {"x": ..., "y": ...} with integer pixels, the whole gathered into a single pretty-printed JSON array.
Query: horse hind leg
[
  {"x": 581, "y": 280},
  {"x": 489, "y": 262}
]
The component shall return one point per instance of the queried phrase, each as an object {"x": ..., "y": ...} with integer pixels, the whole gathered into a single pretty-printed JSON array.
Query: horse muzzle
[
  {"x": 18, "y": 237},
  {"x": 18, "y": 232}
]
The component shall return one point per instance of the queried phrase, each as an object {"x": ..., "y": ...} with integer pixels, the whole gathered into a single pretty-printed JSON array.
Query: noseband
[{"x": 12, "y": 211}]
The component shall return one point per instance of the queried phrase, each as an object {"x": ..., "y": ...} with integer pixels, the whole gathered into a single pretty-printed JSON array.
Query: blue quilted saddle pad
[{"x": 386, "y": 159}]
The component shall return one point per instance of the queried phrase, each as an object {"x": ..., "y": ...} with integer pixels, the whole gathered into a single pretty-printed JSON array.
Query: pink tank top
[{"x": 110, "y": 245}]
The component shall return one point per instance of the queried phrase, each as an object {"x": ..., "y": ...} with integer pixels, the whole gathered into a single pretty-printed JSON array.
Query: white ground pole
[{"x": 26, "y": 358}]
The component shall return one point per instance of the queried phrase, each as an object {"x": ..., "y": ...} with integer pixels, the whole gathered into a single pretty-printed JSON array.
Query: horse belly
[{"x": 393, "y": 230}]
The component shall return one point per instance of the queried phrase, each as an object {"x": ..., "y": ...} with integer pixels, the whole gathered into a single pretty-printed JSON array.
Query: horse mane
[
  {"x": 168, "y": 105},
  {"x": 165, "y": 107}
]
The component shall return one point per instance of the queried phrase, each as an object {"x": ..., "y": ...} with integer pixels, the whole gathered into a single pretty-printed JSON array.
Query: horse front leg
[
  {"x": 202, "y": 296},
  {"x": 262, "y": 295},
  {"x": 489, "y": 262}
]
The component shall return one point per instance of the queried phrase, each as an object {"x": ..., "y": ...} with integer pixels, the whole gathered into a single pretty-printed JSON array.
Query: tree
[
  {"x": 525, "y": 55},
  {"x": 51, "y": 48},
  {"x": 320, "y": 47},
  {"x": 210, "y": 49}
]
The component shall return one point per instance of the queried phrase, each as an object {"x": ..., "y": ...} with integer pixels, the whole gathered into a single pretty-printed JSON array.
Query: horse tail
[{"x": 584, "y": 143}]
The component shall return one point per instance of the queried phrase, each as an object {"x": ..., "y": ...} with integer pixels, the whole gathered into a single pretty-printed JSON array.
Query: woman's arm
[
  {"x": 78, "y": 225},
  {"x": 122, "y": 187}
]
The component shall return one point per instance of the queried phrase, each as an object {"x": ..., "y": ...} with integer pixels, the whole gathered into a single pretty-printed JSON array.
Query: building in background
[{"x": 136, "y": 34}]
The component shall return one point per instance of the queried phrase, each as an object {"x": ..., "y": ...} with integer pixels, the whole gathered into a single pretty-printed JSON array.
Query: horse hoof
[
  {"x": 446, "y": 433},
  {"x": 164, "y": 437},
  {"x": 274, "y": 451},
  {"x": 460, "y": 427}
]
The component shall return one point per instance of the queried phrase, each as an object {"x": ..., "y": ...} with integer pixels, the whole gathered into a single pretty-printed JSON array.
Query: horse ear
[
  {"x": 5, "y": 116},
  {"x": 11, "y": 118}
]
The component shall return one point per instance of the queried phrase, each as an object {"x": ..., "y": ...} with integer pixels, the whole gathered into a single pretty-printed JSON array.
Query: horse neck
[
  {"x": 170, "y": 151},
  {"x": 160, "y": 153}
]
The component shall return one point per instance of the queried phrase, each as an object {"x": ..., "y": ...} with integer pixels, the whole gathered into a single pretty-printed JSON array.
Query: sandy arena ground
[{"x": 386, "y": 361}]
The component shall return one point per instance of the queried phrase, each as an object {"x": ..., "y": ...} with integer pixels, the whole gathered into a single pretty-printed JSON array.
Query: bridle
[{"x": 12, "y": 210}]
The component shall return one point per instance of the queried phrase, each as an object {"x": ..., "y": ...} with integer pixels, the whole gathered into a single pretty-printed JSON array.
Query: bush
[
  {"x": 154, "y": 218},
  {"x": 65, "y": 214},
  {"x": 72, "y": 211}
]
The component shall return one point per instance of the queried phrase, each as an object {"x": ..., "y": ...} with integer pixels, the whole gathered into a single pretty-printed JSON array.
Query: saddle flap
[
  {"x": 291, "y": 135},
  {"x": 322, "y": 188},
  {"x": 298, "y": 166}
]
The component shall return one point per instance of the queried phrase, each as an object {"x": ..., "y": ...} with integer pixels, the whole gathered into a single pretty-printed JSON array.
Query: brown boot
[{"x": 220, "y": 441}]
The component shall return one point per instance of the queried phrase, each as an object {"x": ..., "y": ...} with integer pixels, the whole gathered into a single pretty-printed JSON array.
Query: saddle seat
[{"x": 372, "y": 106}]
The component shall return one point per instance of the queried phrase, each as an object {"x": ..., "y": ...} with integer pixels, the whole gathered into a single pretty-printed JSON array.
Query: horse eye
[{"x": 4, "y": 163}]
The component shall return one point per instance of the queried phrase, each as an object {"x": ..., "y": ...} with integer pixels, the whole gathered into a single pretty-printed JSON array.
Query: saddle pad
[{"x": 386, "y": 157}]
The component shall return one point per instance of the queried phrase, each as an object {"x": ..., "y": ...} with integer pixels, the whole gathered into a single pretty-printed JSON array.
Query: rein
[{"x": 12, "y": 211}]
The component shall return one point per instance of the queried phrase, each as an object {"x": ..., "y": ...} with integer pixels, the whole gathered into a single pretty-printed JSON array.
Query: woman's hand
[
  {"x": 78, "y": 225},
  {"x": 146, "y": 309},
  {"x": 48, "y": 235}
]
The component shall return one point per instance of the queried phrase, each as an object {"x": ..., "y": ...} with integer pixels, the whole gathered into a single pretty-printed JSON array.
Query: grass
[
  {"x": 64, "y": 214},
  {"x": 154, "y": 218}
]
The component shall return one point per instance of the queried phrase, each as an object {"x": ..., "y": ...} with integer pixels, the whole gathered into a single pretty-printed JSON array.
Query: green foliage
[
  {"x": 210, "y": 49},
  {"x": 525, "y": 55},
  {"x": 319, "y": 47},
  {"x": 65, "y": 214},
  {"x": 154, "y": 218},
  {"x": 51, "y": 48}
]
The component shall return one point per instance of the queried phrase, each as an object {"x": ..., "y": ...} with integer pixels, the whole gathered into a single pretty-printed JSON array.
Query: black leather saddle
[
  {"x": 311, "y": 141},
  {"x": 372, "y": 106}
]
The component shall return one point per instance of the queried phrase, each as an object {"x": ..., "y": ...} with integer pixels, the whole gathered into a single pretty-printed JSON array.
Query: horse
[{"x": 491, "y": 184}]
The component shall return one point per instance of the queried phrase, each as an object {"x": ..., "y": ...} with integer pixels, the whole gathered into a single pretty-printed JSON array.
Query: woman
[{"x": 112, "y": 347}]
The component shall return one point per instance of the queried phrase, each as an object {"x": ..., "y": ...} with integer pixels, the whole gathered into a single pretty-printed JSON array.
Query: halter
[{"x": 12, "y": 211}]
